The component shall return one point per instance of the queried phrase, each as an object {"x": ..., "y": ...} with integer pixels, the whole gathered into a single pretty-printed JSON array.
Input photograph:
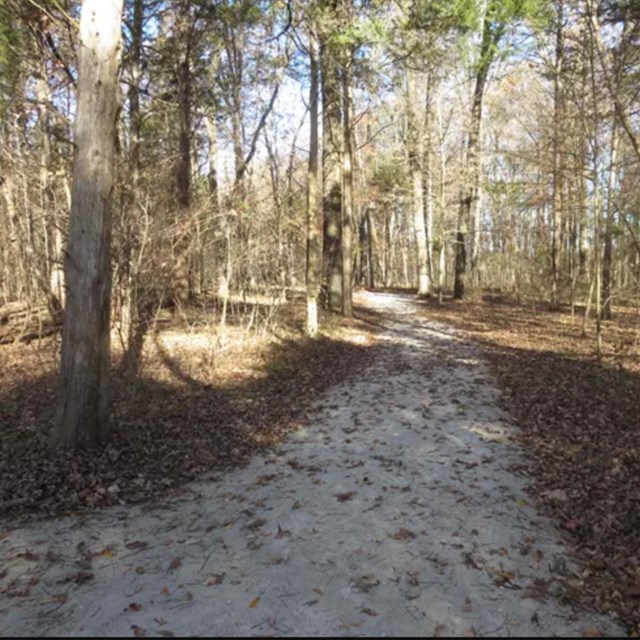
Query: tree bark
[
  {"x": 558, "y": 192},
  {"x": 183, "y": 285},
  {"x": 470, "y": 191},
  {"x": 608, "y": 231},
  {"x": 331, "y": 172},
  {"x": 84, "y": 414},
  {"x": 314, "y": 213},
  {"x": 347, "y": 194},
  {"x": 132, "y": 313},
  {"x": 415, "y": 150},
  {"x": 427, "y": 177}
]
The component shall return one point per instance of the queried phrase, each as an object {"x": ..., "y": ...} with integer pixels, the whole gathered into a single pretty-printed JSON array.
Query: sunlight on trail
[{"x": 391, "y": 512}]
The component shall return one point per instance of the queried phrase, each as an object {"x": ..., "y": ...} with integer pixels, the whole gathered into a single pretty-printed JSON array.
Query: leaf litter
[
  {"x": 579, "y": 424},
  {"x": 344, "y": 556}
]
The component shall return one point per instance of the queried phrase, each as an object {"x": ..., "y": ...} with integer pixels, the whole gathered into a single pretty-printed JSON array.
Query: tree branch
[{"x": 256, "y": 135}]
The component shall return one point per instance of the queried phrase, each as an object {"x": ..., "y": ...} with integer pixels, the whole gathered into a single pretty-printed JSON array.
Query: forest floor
[
  {"x": 578, "y": 425},
  {"x": 395, "y": 509},
  {"x": 202, "y": 400}
]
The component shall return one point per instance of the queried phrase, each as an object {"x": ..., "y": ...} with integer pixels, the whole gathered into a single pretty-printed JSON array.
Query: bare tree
[{"x": 314, "y": 213}]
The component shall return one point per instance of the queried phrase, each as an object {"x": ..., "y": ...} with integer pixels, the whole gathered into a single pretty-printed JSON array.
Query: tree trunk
[
  {"x": 608, "y": 231},
  {"x": 132, "y": 314},
  {"x": 51, "y": 279},
  {"x": 314, "y": 213},
  {"x": 183, "y": 285},
  {"x": 427, "y": 176},
  {"x": 557, "y": 158},
  {"x": 331, "y": 171},
  {"x": 470, "y": 191},
  {"x": 347, "y": 195},
  {"x": 84, "y": 415},
  {"x": 415, "y": 151}
]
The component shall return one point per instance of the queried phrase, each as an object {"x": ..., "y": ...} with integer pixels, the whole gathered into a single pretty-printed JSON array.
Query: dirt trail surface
[{"x": 392, "y": 512}]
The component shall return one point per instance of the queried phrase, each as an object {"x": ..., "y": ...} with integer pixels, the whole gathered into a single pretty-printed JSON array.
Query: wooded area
[
  {"x": 239, "y": 168},
  {"x": 464, "y": 147}
]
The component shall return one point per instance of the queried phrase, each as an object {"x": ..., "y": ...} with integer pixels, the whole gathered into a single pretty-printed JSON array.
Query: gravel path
[{"x": 393, "y": 512}]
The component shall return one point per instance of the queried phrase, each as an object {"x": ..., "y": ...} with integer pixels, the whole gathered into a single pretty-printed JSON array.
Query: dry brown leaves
[
  {"x": 185, "y": 414},
  {"x": 579, "y": 422}
]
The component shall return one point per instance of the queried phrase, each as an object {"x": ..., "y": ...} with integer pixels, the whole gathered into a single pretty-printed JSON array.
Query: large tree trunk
[
  {"x": 314, "y": 213},
  {"x": 84, "y": 415}
]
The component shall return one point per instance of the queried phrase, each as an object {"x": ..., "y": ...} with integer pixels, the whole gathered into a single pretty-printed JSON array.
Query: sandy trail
[{"x": 393, "y": 512}]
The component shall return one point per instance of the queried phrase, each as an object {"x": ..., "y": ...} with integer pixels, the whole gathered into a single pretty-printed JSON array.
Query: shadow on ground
[
  {"x": 168, "y": 428},
  {"x": 579, "y": 424}
]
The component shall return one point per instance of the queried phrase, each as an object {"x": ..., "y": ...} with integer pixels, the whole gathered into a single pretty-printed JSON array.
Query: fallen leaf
[
  {"x": 402, "y": 535},
  {"x": 592, "y": 632},
  {"x": 503, "y": 578},
  {"x": 254, "y": 603},
  {"x": 134, "y": 606},
  {"x": 138, "y": 632},
  {"x": 344, "y": 497},
  {"x": 364, "y": 583},
  {"x": 175, "y": 564},
  {"x": 282, "y": 533},
  {"x": 82, "y": 577},
  {"x": 538, "y": 555},
  {"x": 370, "y": 612},
  {"x": 215, "y": 579},
  {"x": 413, "y": 578},
  {"x": 256, "y": 524},
  {"x": 345, "y": 625}
]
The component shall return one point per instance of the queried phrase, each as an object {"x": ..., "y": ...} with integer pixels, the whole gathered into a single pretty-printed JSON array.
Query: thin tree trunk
[
  {"x": 84, "y": 415},
  {"x": 132, "y": 314},
  {"x": 608, "y": 233},
  {"x": 469, "y": 201},
  {"x": 347, "y": 195},
  {"x": 415, "y": 149},
  {"x": 314, "y": 212},
  {"x": 371, "y": 281},
  {"x": 183, "y": 285},
  {"x": 331, "y": 170},
  {"x": 557, "y": 158}
]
